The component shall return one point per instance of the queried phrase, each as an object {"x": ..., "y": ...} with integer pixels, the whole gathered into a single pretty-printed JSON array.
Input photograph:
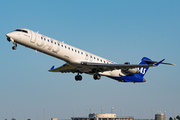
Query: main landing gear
[
  {"x": 78, "y": 77},
  {"x": 97, "y": 77}
]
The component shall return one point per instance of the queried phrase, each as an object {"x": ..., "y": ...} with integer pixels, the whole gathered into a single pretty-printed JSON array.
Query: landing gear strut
[
  {"x": 97, "y": 76},
  {"x": 15, "y": 45},
  {"x": 78, "y": 77}
]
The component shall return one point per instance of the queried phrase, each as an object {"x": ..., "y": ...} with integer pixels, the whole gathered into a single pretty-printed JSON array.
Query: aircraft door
[
  {"x": 33, "y": 37},
  {"x": 56, "y": 47}
]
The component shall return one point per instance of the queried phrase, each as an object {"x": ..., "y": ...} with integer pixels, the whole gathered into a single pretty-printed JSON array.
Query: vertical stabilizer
[{"x": 143, "y": 70}]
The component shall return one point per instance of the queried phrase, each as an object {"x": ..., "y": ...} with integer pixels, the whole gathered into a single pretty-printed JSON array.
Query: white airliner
[{"x": 79, "y": 61}]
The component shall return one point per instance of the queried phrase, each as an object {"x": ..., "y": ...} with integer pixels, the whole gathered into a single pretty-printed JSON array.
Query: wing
[
  {"x": 109, "y": 67},
  {"x": 65, "y": 68},
  {"x": 88, "y": 67}
]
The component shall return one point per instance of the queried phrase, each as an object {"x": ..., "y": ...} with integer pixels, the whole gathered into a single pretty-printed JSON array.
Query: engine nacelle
[{"x": 130, "y": 71}]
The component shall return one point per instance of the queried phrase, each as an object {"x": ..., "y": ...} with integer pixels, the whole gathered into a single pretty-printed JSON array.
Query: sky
[{"x": 121, "y": 31}]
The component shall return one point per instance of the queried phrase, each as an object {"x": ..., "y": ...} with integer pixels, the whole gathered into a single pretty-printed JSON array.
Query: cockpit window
[
  {"x": 17, "y": 30},
  {"x": 21, "y": 30},
  {"x": 24, "y": 31}
]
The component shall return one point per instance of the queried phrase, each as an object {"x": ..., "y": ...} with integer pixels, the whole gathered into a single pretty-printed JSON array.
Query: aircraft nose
[
  {"x": 10, "y": 35},
  {"x": 144, "y": 80}
]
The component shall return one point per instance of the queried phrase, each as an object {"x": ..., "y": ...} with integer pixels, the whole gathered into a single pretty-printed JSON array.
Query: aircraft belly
[{"x": 114, "y": 73}]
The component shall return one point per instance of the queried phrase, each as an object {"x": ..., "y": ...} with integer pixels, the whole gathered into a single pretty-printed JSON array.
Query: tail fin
[{"x": 143, "y": 70}]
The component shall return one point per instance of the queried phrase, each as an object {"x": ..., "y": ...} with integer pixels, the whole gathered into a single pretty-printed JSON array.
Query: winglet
[
  {"x": 156, "y": 64},
  {"x": 52, "y": 68}
]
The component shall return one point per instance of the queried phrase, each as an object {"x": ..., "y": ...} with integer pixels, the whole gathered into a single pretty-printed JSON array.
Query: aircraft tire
[
  {"x": 97, "y": 77},
  {"x": 14, "y": 47},
  {"x": 78, "y": 77}
]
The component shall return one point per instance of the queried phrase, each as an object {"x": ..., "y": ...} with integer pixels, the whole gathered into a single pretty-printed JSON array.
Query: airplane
[{"x": 79, "y": 61}]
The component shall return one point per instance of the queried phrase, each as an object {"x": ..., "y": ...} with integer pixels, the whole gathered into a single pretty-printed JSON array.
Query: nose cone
[
  {"x": 10, "y": 35},
  {"x": 144, "y": 80}
]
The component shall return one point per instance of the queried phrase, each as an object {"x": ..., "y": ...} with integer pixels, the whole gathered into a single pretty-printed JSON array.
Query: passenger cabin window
[{"x": 62, "y": 45}]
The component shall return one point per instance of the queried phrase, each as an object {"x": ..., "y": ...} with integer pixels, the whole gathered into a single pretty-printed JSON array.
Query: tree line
[{"x": 177, "y": 117}]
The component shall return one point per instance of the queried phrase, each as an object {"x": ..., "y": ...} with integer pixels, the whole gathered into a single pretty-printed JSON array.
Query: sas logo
[{"x": 142, "y": 70}]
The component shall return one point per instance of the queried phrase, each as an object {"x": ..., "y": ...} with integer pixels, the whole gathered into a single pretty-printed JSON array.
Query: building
[
  {"x": 54, "y": 119},
  {"x": 160, "y": 116},
  {"x": 105, "y": 116}
]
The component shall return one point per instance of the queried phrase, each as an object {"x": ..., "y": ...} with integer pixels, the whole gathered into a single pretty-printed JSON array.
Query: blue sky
[{"x": 121, "y": 31}]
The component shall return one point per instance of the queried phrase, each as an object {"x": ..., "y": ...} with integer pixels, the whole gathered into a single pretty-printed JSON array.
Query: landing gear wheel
[
  {"x": 97, "y": 76},
  {"x": 78, "y": 77},
  {"x": 14, "y": 47}
]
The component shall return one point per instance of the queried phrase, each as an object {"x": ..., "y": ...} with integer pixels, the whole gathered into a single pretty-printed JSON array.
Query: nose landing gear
[{"x": 15, "y": 45}]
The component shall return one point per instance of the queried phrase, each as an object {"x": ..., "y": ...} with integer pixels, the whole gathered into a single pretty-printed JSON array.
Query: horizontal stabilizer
[
  {"x": 152, "y": 62},
  {"x": 159, "y": 62}
]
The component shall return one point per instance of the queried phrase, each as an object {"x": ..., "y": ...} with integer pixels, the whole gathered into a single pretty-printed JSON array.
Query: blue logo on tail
[{"x": 143, "y": 70}]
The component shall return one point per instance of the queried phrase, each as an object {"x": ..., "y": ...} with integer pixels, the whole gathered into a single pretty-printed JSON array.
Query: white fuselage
[{"x": 60, "y": 50}]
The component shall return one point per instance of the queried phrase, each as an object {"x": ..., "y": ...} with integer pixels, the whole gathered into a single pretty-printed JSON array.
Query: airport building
[
  {"x": 160, "y": 116},
  {"x": 105, "y": 116},
  {"x": 54, "y": 119},
  {"x": 110, "y": 116}
]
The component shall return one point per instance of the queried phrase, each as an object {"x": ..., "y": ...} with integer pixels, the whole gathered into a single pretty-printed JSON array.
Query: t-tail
[
  {"x": 147, "y": 61},
  {"x": 143, "y": 70}
]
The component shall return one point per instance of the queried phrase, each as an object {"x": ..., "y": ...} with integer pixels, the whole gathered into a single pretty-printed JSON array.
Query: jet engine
[{"x": 130, "y": 71}]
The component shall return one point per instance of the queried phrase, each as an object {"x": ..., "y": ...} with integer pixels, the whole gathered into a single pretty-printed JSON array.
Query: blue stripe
[{"x": 135, "y": 78}]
